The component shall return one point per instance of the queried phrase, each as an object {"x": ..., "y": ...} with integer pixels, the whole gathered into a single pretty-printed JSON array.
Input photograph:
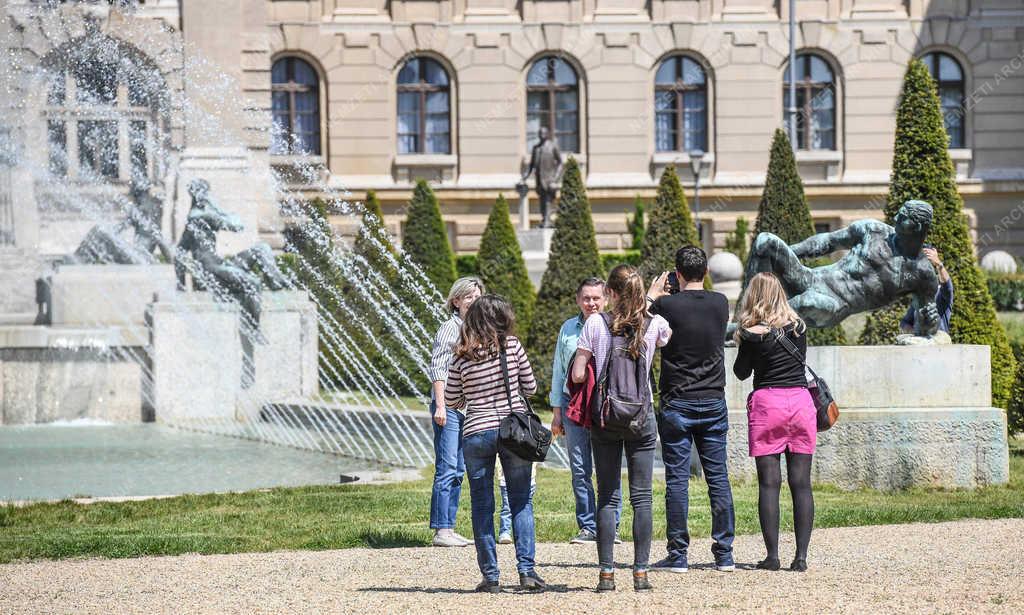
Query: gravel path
[{"x": 949, "y": 567}]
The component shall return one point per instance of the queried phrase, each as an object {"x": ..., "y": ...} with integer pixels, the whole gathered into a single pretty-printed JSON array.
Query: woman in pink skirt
[{"x": 780, "y": 413}]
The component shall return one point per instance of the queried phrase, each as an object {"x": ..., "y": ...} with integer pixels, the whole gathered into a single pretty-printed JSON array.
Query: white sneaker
[
  {"x": 505, "y": 539},
  {"x": 459, "y": 536},
  {"x": 447, "y": 538},
  {"x": 725, "y": 567}
]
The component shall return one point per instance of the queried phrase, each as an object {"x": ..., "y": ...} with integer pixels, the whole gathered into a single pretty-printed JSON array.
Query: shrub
[
  {"x": 669, "y": 227},
  {"x": 736, "y": 241},
  {"x": 466, "y": 265},
  {"x": 922, "y": 170},
  {"x": 1007, "y": 291},
  {"x": 573, "y": 257},
  {"x": 610, "y": 260},
  {"x": 636, "y": 225},
  {"x": 425, "y": 239},
  {"x": 501, "y": 266},
  {"x": 783, "y": 211}
]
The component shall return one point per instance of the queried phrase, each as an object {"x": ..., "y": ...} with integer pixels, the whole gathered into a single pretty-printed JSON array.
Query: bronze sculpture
[
  {"x": 883, "y": 263},
  {"x": 546, "y": 164}
]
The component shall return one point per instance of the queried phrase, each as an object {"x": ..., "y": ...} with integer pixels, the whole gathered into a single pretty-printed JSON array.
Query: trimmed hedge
[
  {"x": 1007, "y": 291},
  {"x": 573, "y": 258},
  {"x": 425, "y": 240},
  {"x": 501, "y": 266},
  {"x": 783, "y": 210},
  {"x": 610, "y": 260},
  {"x": 466, "y": 265},
  {"x": 923, "y": 170},
  {"x": 669, "y": 227}
]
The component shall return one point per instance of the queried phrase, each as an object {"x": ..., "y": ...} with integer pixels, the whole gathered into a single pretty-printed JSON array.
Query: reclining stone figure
[
  {"x": 242, "y": 276},
  {"x": 883, "y": 263}
]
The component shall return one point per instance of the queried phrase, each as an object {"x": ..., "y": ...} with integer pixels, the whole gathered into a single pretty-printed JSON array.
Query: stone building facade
[{"x": 371, "y": 94}]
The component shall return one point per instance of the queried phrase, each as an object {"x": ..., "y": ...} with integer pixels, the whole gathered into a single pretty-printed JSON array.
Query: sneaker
[
  {"x": 505, "y": 538},
  {"x": 618, "y": 540},
  {"x": 606, "y": 582},
  {"x": 724, "y": 567},
  {"x": 585, "y": 537},
  {"x": 488, "y": 587},
  {"x": 670, "y": 564},
  {"x": 531, "y": 582},
  {"x": 447, "y": 538},
  {"x": 459, "y": 536}
]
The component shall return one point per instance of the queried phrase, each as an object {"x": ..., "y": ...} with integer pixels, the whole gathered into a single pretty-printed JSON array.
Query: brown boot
[{"x": 606, "y": 582}]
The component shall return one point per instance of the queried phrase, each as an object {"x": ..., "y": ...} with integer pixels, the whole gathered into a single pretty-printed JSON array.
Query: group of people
[{"x": 481, "y": 372}]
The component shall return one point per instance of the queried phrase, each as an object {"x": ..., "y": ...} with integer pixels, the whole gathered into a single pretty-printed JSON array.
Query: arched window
[
  {"x": 102, "y": 114},
  {"x": 424, "y": 112},
  {"x": 295, "y": 89},
  {"x": 815, "y": 103},
  {"x": 949, "y": 78},
  {"x": 680, "y": 106},
  {"x": 553, "y": 101}
]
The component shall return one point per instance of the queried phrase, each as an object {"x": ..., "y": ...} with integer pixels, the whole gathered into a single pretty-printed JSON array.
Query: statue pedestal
[
  {"x": 97, "y": 295},
  {"x": 909, "y": 417},
  {"x": 535, "y": 244},
  {"x": 197, "y": 357}
]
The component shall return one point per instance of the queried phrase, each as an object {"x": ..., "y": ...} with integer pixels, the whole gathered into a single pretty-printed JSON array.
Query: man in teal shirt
[{"x": 591, "y": 300}]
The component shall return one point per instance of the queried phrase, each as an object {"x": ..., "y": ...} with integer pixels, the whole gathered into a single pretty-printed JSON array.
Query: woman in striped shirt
[
  {"x": 476, "y": 384},
  {"x": 448, "y": 461}
]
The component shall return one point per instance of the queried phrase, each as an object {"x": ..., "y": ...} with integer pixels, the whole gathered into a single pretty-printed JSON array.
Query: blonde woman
[
  {"x": 780, "y": 412},
  {"x": 449, "y": 465}
]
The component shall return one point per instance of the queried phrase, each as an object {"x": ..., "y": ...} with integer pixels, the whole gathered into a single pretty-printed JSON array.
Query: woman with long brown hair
[
  {"x": 780, "y": 412},
  {"x": 478, "y": 385},
  {"x": 629, "y": 334}
]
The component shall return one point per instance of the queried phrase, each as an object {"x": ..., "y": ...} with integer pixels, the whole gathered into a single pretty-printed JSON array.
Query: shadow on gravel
[
  {"x": 391, "y": 539},
  {"x": 505, "y": 589}
]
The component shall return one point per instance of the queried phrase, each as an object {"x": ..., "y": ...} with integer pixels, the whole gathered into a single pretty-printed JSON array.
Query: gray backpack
[{"x": 622, "y": 400}]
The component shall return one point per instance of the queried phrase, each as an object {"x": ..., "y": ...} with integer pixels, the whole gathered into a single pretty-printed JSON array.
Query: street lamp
[{"x": 696, "y": 157}]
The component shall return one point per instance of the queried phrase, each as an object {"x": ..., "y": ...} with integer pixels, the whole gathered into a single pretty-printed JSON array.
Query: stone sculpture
[
  {"x": 546, "y": 163},
  {"x": 883, "y": 263},
  {"x": 241, "y": 276}
]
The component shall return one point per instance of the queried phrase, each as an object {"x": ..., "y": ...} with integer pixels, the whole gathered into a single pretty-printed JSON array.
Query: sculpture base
[
  {"x": 97, "y": 295},
  {"x": 535, "y": 244},
  {"x": 198, "y": 356},
  {"x": 909, "y": 416}
]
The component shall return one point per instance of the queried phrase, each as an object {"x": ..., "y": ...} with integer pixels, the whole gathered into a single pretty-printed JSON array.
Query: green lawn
[{"x": 395, "y": 515}]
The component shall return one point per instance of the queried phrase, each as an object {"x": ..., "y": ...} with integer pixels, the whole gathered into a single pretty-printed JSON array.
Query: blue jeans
[
  {"x": 505, "y": 516},
  {"x": 481, "y": 450},
  {"x": 581, "y": 468},
  {"x": 449, "y": 467},
  {"x": 683, "y": 423}
]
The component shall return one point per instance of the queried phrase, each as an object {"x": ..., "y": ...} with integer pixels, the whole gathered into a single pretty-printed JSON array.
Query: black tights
[{"x": 769, "y": 481}]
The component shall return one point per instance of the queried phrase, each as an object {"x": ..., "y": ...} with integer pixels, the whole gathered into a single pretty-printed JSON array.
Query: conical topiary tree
[
  {"x": 669, "y": 227},
  {"x": 783, "y": 210},
  {"x": 501, "y": 266},
  {"x": 636, "y": 225},
  {"x": 425, "y": 240},
  {"x": 922, "y": 170},
  {"x": 573, "y": 258}
]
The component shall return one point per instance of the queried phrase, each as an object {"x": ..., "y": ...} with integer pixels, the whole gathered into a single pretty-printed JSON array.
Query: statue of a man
[
  {"x": 883, "y": 263},
  {"x": 242, "y": 275},
  {"x": 546, "y": 162}
]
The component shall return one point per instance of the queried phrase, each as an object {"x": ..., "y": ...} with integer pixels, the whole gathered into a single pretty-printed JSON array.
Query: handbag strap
[
  {"x": 783, "y": 339},
  {"x": 504, "y": 372}
]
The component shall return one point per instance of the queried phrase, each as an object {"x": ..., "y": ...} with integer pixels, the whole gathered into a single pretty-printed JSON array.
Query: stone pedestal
[
  {"x": 535, "y": 244},
  {"x": 197, "y": 356},
  {"x": 96, "y": 295},
  {"x": 910, "y": 416}
]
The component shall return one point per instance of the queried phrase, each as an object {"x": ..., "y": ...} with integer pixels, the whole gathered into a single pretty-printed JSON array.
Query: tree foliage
[
  {"x": 636, "y": 224},
  {"x": 923, "y": 170},
  {"x": 425, "y": 239},
  {"x": 501, "y": 266},
  {"x": 669, "y": 227}
]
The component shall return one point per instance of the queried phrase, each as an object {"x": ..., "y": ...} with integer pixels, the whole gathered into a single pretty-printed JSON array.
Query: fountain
[{"x": 121, "y": 303}]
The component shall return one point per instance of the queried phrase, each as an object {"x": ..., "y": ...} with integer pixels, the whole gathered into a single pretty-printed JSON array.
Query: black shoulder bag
[
  {"x": 824, "y": 403},
  {"x": 522, "y": 433}
]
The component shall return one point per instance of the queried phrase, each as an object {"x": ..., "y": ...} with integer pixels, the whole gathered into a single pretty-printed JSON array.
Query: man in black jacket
[{"x": 693, "y": 410}]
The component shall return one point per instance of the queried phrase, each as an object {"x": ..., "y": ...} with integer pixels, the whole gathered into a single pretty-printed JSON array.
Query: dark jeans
[
  {"x": 449, "y": 467},
  {"x": 481, "y": 450},
  {"x": 608, "y": 448},
  {"x": 683, "y": 423}
]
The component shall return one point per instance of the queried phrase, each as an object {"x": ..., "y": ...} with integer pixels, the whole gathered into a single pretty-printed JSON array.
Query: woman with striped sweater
[{"x": 477, "y": 385}]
